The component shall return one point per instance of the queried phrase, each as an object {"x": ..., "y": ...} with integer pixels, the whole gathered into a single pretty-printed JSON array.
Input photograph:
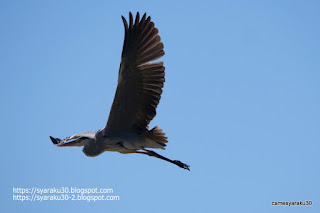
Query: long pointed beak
[
  {"x": 72, "y": 143},
  {"x": 59, "y": 142}
]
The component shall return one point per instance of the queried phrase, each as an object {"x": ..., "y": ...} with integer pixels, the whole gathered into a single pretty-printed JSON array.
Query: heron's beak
[
  {"x": 72, "y": 143},
  {"x": 59, "y": 142}
]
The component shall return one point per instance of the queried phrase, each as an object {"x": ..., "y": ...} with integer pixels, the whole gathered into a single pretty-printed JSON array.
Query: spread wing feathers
[{"x": 140, "y": 80}]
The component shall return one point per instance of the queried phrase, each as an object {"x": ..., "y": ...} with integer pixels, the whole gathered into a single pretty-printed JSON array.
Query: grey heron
[{"x": 140, "y": 83}]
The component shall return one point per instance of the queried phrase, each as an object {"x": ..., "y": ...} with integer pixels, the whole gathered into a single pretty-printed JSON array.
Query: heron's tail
[{"x": 156, "y": 134}]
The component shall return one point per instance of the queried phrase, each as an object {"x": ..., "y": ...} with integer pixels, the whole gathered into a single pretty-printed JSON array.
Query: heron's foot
[{"x": 182, "y": 165}]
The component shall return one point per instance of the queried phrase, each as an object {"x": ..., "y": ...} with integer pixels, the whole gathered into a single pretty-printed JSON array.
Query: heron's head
[
  {"x": 79, "y": 142},
  {"x": 82, "y": 141},
  {"x": 91, "y": 148}
]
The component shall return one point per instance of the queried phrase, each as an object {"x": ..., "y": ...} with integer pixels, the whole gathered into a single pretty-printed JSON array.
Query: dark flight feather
[{"x": 140, "y": 80}]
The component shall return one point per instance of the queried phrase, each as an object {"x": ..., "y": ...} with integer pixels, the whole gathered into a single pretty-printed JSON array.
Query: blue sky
[{"x": 240, "y": 104}]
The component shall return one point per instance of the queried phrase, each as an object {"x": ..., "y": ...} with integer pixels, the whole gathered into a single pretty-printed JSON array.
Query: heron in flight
[{"x": 140, "y": 83}]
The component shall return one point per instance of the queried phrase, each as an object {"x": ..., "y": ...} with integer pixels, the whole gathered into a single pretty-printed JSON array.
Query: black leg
[{"x": 154, "y": 154}]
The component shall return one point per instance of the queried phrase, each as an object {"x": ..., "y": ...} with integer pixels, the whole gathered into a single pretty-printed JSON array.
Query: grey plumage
[{"x": 139, "y": 89}]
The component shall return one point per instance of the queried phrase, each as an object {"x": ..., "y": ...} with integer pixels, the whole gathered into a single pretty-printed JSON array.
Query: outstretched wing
[{"x": 140, "y": 80}]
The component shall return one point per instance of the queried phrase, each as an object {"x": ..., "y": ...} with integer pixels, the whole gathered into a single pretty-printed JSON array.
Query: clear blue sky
[{"x": 240, "y": 104}]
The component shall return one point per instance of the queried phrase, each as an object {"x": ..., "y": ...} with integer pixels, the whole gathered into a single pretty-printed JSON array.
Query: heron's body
[
  {"x": 139, "y": 89},
  {"x": 123, "y": 142}
]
